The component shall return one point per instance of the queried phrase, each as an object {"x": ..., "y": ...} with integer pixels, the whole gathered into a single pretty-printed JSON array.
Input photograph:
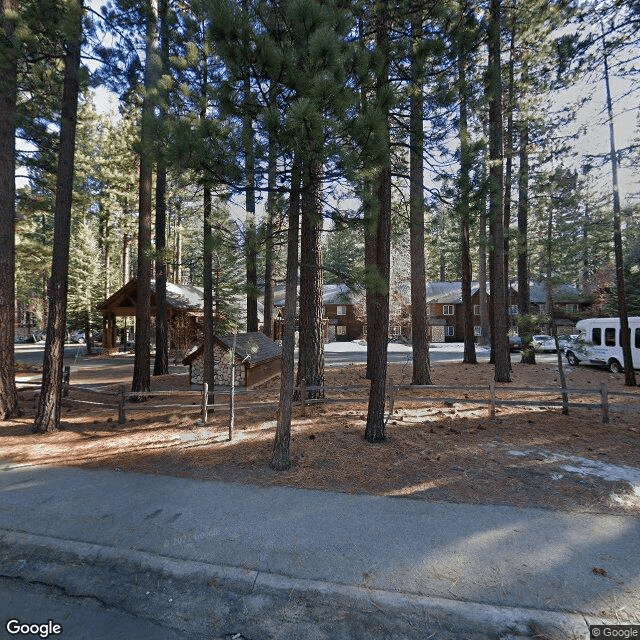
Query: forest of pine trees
[{"x": 258, "y": 143}]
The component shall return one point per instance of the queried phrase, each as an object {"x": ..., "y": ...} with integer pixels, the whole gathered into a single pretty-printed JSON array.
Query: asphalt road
[{"x": 32, "y": 354}]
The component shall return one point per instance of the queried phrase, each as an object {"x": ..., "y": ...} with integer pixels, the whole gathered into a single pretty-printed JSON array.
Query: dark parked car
[{"x": 516, "y": 343}]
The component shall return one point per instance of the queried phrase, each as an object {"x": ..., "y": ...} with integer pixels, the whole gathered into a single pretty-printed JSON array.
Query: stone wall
[{"x": 222, "y": 368}]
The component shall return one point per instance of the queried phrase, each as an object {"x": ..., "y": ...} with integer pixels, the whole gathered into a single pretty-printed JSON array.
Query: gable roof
[
  {"x": 449, "y": 292},
  {"x": 331, "y": 294},
  {"x": 559, "y": 292},
  {"x": 179, "y": 296},
  {"x": 254, "y": 344}
]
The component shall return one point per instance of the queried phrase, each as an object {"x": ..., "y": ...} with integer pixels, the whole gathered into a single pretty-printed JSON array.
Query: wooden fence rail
[{"x": 491, "y": 397}]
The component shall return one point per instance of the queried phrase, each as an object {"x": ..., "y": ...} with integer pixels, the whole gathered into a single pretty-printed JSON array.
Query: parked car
[
  {"x": 567, "y": 341},
  {"x": 544, "y": 343},
  {"x": 77, "y": 337},
  {"x": 516, "y": 343}
]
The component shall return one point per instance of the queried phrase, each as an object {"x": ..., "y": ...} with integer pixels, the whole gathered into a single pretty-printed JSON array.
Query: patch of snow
[
  {"x": 586, "y": 467},
  {"x": 556, "y": 476}
]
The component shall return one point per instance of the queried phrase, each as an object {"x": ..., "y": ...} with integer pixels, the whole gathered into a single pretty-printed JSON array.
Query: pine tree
[
  {"x": 8, "y": 98},
  {"x": 48, "y": 412},
  {"x": 141, "y": 374}
]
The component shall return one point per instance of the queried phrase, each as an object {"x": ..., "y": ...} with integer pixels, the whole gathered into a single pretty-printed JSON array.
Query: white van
[{"x": 598, "y": 343}]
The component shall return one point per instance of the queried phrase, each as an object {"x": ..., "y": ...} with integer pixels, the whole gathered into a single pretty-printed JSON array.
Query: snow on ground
[{"x": 587, "y": 467}]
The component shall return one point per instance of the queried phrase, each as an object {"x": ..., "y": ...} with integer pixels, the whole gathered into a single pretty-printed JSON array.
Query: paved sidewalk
[{"x": 249, "y": 552}]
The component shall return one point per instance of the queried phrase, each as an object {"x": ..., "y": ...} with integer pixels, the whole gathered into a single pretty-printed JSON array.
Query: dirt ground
[{"x": 439, "y": 449}]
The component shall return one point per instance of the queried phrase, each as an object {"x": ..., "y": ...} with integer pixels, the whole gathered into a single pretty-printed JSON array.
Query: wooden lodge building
[{"x": 185, "y": 312}]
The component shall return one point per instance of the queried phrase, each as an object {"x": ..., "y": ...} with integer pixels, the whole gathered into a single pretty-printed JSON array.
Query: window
[
  {"x": 341, "y": 330},
  {"x": 637, "y": 338},
  {"x": 395, "y": 331},
  {"x": 513, "y": 310},
  {"x": 477, "y": 331},
  {"x": 341, "y": 310},
  {"x": 572, "y": 308},
  {"x": 596, "y": 335},
  {"x": 476, "y": 309},
  {"x": 450, "y": 331},
  {"x": 610, "y": 336},
  {"x": 447, "y": 309}
]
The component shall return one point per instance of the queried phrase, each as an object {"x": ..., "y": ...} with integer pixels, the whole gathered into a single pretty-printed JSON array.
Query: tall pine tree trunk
[
  {"x": 621, "y": 286},
  {"x": 48, "y": 412},
  {"x": 508, "y": 150},
  {"x": 311, "y": 342},
  {"x": 267, "y": 325},
  {"x": 498, "y": 280},
  {"x": 524, "y": 304},
  {"x": 208, "y": 374},
  {"x": 379, "y": 323},
  {"x": 161, "y": 360},
  {"x": 251, "y": 239},
  {"x": 141, "y": 374},
  {"x": 8, "y": 97},
  {"x": 280, "y": 456},
  {"x": 419, "y": 326},
  {"x": 463, "y": 208}
]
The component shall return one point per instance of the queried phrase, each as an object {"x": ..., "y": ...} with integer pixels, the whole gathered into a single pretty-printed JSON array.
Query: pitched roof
[
  {"x": 258, "y": 347},
  {"x": 331, "y": 294},
  {"x": 449, "y": 292},
  {"x": 559, "y": 292},
  {"x": 179, "y": 296}
]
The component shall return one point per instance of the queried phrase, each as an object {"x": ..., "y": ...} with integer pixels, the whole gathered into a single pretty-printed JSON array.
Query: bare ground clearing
[{"x": 438, "y": 450}]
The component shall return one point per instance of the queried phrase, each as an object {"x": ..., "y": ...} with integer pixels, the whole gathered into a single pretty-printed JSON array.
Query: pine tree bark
[
  {"x": 379, "y": 328},
  {"x": 621, "y": 286},
  {"x": 208, "y": 374},
  {"x": 311, "y": 342},
  {"x": 466, "y": 160},
  {"x": 508, "y": 149},
  {"x": 280, "y": 456},
  {"x": 161, "y": 359},
  {"x": 251, "y": 238},
  {"x": 498, "y": 284},
  {"x": 524, "y": 304},
  {"x": 267, "y": 325},
  {"x": 49, "y": 404},
  {"x": 419, "y": 326},
  {"x": 8, "y": 99},
  {"x": 141, "y": 363}
]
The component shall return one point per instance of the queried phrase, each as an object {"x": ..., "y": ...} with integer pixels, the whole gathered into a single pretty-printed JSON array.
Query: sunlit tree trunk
[
  {"x": 49, "y": 403},
  {"x": 280, "y": 456},
  {"x": 419, "y": 327},
  {"x": 621, "y": 286},
  {"x": 8, "y": 97},
  {"x": 498, "y": 280}
]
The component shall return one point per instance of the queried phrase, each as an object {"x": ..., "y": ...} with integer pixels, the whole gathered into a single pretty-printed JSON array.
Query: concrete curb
[{"x": 101, "y": 572}]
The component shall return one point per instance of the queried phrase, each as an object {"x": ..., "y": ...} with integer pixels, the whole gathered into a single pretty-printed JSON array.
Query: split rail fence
[{"x": 124, "y": 402}]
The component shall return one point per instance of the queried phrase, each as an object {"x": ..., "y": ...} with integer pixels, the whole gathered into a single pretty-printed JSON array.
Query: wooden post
[
  {"x": 604, "y": 399},
  {"x": 492, "y": 399},
  {"x": 392, "y": 399},
  {"x": 303, "y": 396},
  {"x": 65, "y": 381},
  {"x": 205, "y": 400},
  {"x": 232, "y": 391},
  {"x": 122, "y": 418}
]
